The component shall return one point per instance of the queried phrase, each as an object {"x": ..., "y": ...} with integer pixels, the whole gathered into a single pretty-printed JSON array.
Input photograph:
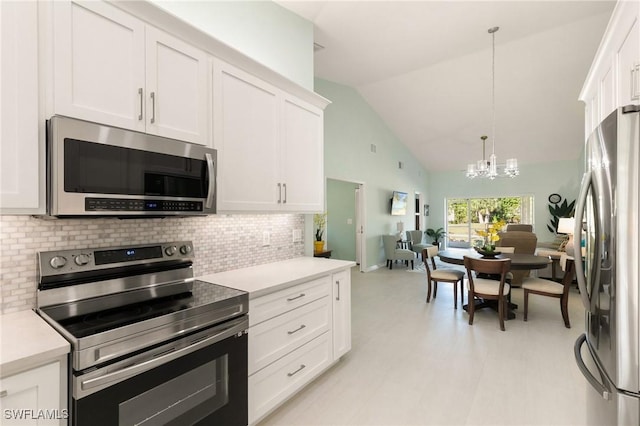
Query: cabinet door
[
  {"x": 341, "y": 313},
  {"x": 302, "y": 156},
  {"x": 99, "y": 64},
  {"x": 36, "y": 389},
  {"x": 246, "y": 137},
  {"x": 20, "y": 172},
  {"x": 628, "y": 58},
  {"x": 177, "y": 87}
]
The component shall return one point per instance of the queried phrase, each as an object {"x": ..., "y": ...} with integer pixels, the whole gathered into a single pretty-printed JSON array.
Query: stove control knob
[
  {"x": 58, "y": 262},
  {"x": 185, "y": 249},
  {"x": 82, "y": 259},
  {"x": 171, "y": 250}
]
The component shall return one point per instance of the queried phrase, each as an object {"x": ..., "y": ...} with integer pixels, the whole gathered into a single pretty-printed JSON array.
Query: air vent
[{"x": 317, "y": 47}]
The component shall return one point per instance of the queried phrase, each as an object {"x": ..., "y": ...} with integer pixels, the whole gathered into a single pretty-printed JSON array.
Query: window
[{"x": 467, "y": 215}]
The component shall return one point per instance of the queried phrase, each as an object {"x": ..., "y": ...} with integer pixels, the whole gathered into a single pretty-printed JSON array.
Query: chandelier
[{"x": 490, "y": 168}]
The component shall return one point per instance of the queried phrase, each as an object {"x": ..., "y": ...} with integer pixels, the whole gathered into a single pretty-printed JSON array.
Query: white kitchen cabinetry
[
  {"x": 112, "y": 68},
  {"x": 270, "y": 145},
  {"x": 614, "y": 78},
  {"x": 21, "y": 166},
  {"x": 33, "y": 397},
  {"x": 341, "y": 313}
]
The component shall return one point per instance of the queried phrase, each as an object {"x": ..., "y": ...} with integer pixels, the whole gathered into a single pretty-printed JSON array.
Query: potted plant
[
  {"x": 490, "y": 235},
  {"x": 319, "y": 221},
  {"x": 436, "y": 234}
]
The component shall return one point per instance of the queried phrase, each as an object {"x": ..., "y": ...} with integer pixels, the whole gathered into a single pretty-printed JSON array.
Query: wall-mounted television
[{"x": 399, "y": 203}]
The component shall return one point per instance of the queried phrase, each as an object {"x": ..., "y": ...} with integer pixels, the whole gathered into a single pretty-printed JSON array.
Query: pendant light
[{"x": 490, "y": 168}]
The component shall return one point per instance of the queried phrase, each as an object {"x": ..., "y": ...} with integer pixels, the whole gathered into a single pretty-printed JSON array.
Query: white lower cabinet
[
  {"x": 341, "y": 313},
  {"x": 34, "y": 397},
  {"x": 274, "y": 384},
  {"x": 294, "y": 335}
]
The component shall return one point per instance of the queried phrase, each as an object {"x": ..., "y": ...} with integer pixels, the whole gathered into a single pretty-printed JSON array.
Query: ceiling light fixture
[{"x": 490, "y": 169}]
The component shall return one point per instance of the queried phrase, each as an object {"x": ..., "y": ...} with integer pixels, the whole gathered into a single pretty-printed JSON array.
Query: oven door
[{"x": 199, "y": 379}]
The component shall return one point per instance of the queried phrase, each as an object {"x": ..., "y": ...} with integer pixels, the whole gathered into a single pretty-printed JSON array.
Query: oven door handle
[{"x": 170, "y": 354}]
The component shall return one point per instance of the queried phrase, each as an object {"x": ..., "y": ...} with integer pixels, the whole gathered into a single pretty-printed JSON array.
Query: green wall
[
  {"x": 350, "y": 128},
  {"x": 538, "y": 180},
  {"x": 341, "y": 219}
]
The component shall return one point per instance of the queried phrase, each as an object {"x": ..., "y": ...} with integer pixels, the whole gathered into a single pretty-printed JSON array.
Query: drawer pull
[
  {"x": 3, "y": 394},
  {"x": 291, "y": 299},
  {"x": 302, "y": 367},
  {"x": 296, "y": 330}
]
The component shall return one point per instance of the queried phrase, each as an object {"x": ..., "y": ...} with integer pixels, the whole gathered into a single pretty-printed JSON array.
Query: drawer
[
  {"x": 278, "y": 336},
  {"x": 279, "y": 302},
  {"x": 272, "y": 385}
]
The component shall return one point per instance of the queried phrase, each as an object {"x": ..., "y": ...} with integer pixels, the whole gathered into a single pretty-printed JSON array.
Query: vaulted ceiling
[{"x": 425, "y": 68}]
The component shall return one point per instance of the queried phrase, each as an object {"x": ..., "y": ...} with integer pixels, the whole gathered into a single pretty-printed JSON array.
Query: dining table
[{"x": 519, "y": 261}]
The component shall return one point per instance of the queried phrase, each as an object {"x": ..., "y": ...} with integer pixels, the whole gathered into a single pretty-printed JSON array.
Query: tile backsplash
[{"x": 221, "y": 243}]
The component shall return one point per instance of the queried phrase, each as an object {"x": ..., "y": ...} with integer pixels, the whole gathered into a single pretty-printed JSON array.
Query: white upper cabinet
[
  {"x": 21, "y": 144},
  {"x": 303, "y": 156},
  {"x": 246, "y": 135},
  {"x": 112, "y": 68},
  {"x": 270, "y": 145},
  {"x": 177, "y": 88},
  {"x": 628, "y": 63},
  {"x": 614, "y": 77}
]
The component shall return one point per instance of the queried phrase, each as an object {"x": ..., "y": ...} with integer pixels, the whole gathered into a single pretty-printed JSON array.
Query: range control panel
[{"x": 79, "y": 260}]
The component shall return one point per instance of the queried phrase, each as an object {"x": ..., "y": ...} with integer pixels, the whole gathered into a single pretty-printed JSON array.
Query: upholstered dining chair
[
  {"x": 415, "y": 241},
  {"x": 485, "y": 288},
  {"x": 435, "y": 275},
  {"x": 550, "y": 288},
  {"x": 393, "y": 253}
]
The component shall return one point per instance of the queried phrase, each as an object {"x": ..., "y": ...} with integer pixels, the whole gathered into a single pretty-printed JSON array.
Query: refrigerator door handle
[
  {"x": 579, "y": 216},
  {"x": 599, "y": 387}
]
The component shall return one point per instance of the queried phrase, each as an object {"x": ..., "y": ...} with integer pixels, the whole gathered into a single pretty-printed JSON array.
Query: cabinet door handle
[
  {"x": 302, "y": 366},
  {"x": 153, "y": 107},
  {"x": 284, "y": 185},
  {"x": 3, "y": 394},
  {"x": 279, "y": 193},
  {"x": 635, "y": 82},
  {"x": 291, "y": 299},
  {"x": 296, "y": 330},
  {"x": 141, "y": 103},
  {"x": 338, "y": 285}
]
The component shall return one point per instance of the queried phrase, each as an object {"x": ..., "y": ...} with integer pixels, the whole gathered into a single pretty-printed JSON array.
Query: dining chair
[
  {"x": 544, "y": 287},
  {"x": 434, "y": 275},
  {"x": 485, "y": 288}
]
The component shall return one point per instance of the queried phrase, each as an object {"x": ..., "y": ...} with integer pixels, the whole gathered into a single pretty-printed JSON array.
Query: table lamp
[{"x": 566, "y": 226}]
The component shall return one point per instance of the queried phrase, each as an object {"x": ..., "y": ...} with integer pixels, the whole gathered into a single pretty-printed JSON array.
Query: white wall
[{"x": 262, "y": 30}]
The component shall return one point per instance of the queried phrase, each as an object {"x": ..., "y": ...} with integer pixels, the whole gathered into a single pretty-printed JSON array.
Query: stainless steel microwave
[{"x": 97, "y": 170}]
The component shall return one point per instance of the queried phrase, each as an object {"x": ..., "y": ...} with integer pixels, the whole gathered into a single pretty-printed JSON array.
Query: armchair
[
  {"x": 415, "y": 242},
  {"x": 392, "y": 252}
]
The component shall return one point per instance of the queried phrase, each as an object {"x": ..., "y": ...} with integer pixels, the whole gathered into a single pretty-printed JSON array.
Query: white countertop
[
  {"x": 27, "y": 342},
  {"x": 263, "y": 279}
]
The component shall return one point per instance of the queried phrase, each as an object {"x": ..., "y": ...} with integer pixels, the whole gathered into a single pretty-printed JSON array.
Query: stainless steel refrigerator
[{"x": 608, "y": 229}]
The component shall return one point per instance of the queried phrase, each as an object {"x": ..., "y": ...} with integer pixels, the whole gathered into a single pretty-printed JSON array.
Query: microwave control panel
[{"x": 133, "y": 205}]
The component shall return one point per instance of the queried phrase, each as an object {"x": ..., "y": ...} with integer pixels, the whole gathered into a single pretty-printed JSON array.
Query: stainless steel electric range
[{"x": 151, "y": 345}]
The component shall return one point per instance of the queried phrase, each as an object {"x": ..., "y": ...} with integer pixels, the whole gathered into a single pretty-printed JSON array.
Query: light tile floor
[{"x": 414, "y": 363}]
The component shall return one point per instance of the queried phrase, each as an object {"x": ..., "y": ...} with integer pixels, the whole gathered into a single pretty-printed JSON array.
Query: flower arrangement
[
  {"x": 491, "y": 235},
  {"x": 319, "y": 220}
]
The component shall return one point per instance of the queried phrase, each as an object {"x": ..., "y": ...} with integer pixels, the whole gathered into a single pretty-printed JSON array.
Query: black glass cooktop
[{"x": 202, "y": 293}]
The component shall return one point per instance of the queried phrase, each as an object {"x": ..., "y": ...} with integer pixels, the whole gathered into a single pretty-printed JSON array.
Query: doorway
[{"x": 346, "y": 221}]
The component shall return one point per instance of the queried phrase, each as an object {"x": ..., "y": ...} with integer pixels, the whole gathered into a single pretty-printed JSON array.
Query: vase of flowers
[
  {"x": 319, "y": 222},
  {"x": 490, "y": 237}
]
